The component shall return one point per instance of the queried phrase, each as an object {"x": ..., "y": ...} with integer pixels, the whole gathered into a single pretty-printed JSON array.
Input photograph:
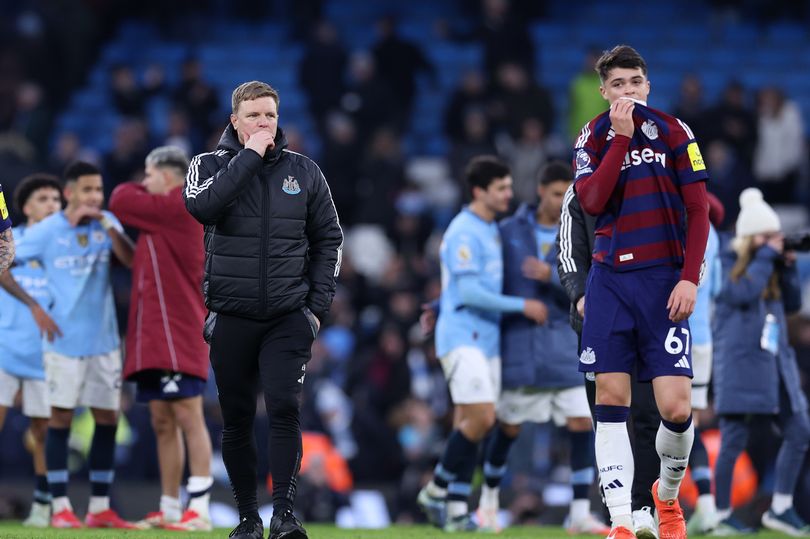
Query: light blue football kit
[
  {"x": 20, "y": 339},
  {"x": 76, "y": 261},
  {"x": 472, "y": 264}
]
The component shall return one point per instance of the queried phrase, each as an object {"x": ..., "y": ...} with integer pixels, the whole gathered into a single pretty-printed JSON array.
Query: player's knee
[
  {"x": 284, "y": 405},
  {"x": 676, "y": 412},
  {"x": 579, "y": 424},
  {"x": 163, "y": 424},
  {"x": 39, "y": 430}
]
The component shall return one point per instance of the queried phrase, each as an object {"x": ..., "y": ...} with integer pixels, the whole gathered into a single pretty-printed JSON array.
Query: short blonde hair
[{"x": 248, "y": 91}]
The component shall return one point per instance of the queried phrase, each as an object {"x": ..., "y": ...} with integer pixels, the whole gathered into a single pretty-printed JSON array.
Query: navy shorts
[
  {"x": 627, "y": 322},
  {"x": 167, "y": 385}
]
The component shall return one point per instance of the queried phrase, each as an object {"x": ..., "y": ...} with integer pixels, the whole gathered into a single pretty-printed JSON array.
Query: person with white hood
[{"x": 755, "y": 370}]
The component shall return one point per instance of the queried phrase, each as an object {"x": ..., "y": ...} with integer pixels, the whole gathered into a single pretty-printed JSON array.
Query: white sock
[
  {"x": 456, "y": 509},
  {"x": 199, "y": 502},
  {"x": 579, "y": 509},
  {"x": 170, "y": 507},
  {"x": 673, "y": 450},
  {"x": 705, "y": 504},
  {"x": 614, "y": 456},
  {"x": 436, "y": 491},
  {"x": 781, "y": 502},
  {"x": 98, "y": 504},
  {"x": 490, "y": 497},
  {"x": 60, "y": 503}
]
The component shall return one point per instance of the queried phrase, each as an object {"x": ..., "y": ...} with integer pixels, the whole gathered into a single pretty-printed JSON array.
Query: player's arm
[
  {"x": 207, "y": 194},
  {"x": 122, "y": 245},
  {"x": 595, "y": 190},
  {"x": 136, "y": 207},
  {"x": 683, "y": 297},
  {"x": 7, "y": 250},
  {"x": 473, "y": 294},
  {"x": 45, "y": 323},
  {"x": 573, "y": 260}
]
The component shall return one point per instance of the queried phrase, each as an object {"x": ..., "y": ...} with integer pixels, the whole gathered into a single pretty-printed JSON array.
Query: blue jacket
[
  {"x": 533, "y": 355},
  {"x": 746, "y": 377}
]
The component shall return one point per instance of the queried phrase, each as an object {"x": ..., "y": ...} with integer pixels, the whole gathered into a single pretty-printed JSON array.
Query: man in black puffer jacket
[{"x": 273, "y": 247}]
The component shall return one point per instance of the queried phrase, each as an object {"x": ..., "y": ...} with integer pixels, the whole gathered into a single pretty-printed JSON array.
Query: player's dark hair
[
  {"x": 620, "y": 56},
  {"x": 32, "y": 183},
  {"x": 79, "y": 168},
  {"x": 555, "y": 171},
  {"x": 483, "y": 170}
]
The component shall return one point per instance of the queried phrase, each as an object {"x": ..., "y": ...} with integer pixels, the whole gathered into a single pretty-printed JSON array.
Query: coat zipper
[{"x": 263, "y": 247}]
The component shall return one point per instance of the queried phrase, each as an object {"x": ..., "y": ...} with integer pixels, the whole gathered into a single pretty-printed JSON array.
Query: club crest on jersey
[
  {"x": 291, "y": 186},
  {"x": 588, "y": 356},
  {"x": 650, "y": 129},
  {"x": 82, "y": 239}
]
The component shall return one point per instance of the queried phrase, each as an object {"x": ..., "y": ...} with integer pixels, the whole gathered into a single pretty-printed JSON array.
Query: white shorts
[
  {"x": 93, "y": 381},
  {"x": 34, "y": 394},
  {"x": 471, "y": 377},
  {"x": 523, "y": 405},
  {"x": 702, "y": 374}
]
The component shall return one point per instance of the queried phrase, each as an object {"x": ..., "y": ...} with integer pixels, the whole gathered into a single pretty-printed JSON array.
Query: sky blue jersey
[
  {"x": 700, "y": 322},
  {"x": 20, "y": 339},
  {"x": 470, "y": 247},
  {"x": 76, "y": 261}
]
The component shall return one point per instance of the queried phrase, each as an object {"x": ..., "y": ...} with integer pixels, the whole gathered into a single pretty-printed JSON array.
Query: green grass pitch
[{"x": 13, "y": 530}]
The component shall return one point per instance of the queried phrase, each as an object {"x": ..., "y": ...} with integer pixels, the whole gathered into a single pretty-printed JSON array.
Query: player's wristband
[{"x": 106, "y": 224}]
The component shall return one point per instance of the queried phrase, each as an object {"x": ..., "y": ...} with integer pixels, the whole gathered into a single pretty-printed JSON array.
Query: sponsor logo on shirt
[
  {"x": 695, "y": 157},
  {"x": 647, "y": 155}
]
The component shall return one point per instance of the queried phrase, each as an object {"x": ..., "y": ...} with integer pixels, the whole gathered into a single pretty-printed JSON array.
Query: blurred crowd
[{"x": 374, "y": 385}]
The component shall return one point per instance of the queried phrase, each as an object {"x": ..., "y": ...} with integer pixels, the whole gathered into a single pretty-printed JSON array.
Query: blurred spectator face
[
  {"x": 340, "y": 128},
  {"x": 386, "y": 27},
  {"x": 476, "y": 125},
  {"x": 472, "y": 83},
  {"x": 625, "y": 82},
  {"x": 29, "y": 96},
  {"x": 192, "y": 70},
  {"x": 532, "y": 131},
  {"x": 691, "y": 89},
  {"x": 255, "y": 115},
  {"x": 87, "y": 190},
  {"x": 362, "y": 67},
  {"x": 770, "y": 102},
  {"x": 325, "y": 33},
  {"x": 391, "y": 343},
  {"x": 155, "y": 180},
  {"x": 551, "y": 198},
  {"x": 123, "y": 79},
  {"x": 178, "y": 123},
  {"x": 295, "y": 141},
  {"x": 734, "y": 95},
  {"x": 512, "y": 77},
  {"x": 385, "y": 144},
  {"x": 68, "y": 147},
  {"x": 495, "y": 9},
  {"x": 404, "y": 305},
  {"x": 41, "y": 203},
  {"x": 717, "y": 155}
]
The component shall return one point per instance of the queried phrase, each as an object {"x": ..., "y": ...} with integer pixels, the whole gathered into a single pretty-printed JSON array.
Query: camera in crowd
[{"x": 798, "y": 242}]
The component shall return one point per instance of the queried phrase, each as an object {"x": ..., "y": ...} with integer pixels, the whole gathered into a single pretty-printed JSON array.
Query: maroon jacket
[{"x": 166, "y": 310}]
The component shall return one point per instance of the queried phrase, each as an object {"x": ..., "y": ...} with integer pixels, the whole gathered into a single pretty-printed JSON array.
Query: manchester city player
[
  {"x": 468, "y": 336},
  {"x": 83, "y": 366}
]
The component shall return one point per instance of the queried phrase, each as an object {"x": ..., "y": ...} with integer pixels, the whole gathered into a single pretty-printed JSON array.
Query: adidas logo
[
  {"x": 614, "y": 484},
  {"x": 677, "y": 468},
  {"x": 682, "y": 363}
]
